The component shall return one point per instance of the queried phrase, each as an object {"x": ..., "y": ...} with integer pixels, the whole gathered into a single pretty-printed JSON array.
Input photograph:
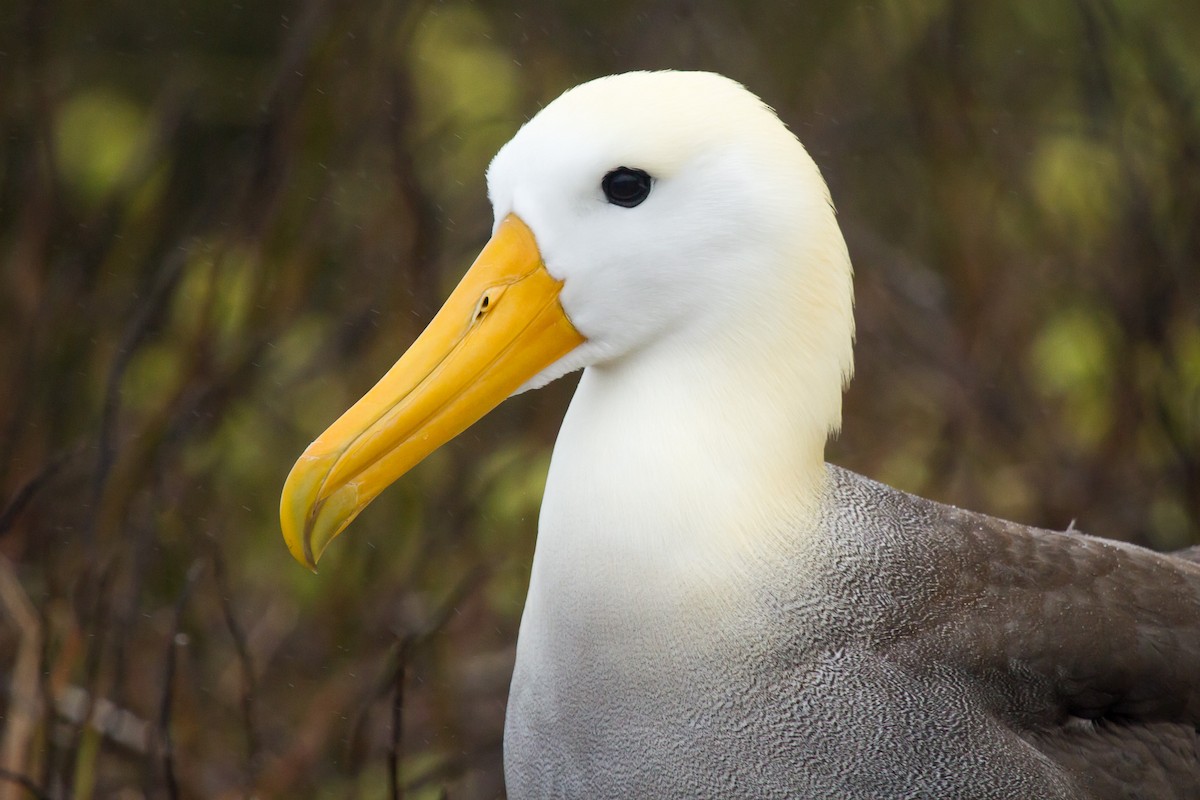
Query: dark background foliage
[{"x": 220, "y": 221}]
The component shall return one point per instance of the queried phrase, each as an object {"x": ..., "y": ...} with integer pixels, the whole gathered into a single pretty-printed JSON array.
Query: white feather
[{"x": 718, "y": 317}]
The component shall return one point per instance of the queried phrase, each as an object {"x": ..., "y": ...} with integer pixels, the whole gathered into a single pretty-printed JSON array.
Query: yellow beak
[{"x": 502, "y": 325}]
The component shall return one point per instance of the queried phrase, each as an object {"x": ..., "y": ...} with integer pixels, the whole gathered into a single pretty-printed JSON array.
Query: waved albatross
[{"x": 713, "y": 610}]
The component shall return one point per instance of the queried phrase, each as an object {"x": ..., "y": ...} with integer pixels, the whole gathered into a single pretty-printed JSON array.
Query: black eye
[{"x": 626, "y": 187}]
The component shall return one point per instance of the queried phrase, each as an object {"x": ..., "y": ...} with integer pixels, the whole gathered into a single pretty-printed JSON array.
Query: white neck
[
  {"x": 688, "y": 471},
  {"x": 681, "y": 474}
]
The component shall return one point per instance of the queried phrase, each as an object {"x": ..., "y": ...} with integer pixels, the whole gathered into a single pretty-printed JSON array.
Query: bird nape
[{"x": 713, "y": 610}]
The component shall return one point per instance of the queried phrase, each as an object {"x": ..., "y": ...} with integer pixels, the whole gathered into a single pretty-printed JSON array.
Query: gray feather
[{"x": 941, "y": 654}]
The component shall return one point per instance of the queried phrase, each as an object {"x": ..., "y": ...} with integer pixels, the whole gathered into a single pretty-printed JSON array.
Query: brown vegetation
[{"x": 219, "y": 222}]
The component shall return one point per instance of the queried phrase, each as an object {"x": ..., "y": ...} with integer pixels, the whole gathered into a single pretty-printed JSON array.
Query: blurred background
[{"x": 221, "y": 221}]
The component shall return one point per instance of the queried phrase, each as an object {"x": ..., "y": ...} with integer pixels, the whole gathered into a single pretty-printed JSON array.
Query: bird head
[{"x": 636, "y": 212}]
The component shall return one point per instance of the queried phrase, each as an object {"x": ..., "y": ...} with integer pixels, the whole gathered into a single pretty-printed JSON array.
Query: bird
[{"x": 713, "y": 610}]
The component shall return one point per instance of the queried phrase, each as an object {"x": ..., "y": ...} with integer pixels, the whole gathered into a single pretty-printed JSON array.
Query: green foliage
[
  {"x": 1072, "y": 361},
  {"x": 1076, "y": 182},
  {"x": 467, "y": 86},
  {"x": 99, "y": 134}
]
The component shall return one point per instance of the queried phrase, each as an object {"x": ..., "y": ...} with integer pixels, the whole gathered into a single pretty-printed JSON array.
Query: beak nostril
[{"x": 456, "y": 371}]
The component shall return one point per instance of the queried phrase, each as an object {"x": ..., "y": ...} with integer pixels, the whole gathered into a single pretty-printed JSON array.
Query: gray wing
[{"x": 1088, "y": 648}]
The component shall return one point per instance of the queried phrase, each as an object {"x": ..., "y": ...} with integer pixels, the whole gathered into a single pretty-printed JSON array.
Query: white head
[{"x": 737, "y": 230}]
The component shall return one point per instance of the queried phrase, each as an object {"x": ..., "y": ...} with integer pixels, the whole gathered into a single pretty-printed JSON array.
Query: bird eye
[{"x": 626, "y": 187}]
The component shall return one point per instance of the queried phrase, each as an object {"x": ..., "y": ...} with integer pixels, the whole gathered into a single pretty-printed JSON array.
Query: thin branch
[
  {"x": 25, "y": 783},
  {"x": 29, "y": 490},
  {"x": 395, "y": 785},
  {"x": 240, "y": 645},
  {"x": 166, "y": 705},
  {"x": 141, "y": 324},
  {"x": 408, "y": 643},
  {"x": 115, "y": 724},
  {"x": 25, "y": 691},
  {"x": 94, "y": 618}
]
